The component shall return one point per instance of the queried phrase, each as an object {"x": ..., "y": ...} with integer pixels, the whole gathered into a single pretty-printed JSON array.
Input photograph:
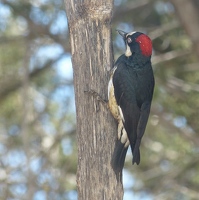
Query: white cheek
[{"x": 128, "y": 51}]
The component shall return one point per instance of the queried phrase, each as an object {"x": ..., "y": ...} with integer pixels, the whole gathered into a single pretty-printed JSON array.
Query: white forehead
[{"x": 131, "y": 33}]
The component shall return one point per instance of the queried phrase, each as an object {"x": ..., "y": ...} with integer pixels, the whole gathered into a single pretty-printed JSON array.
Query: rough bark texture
[
  {"x": 90, "y": 34},
  {"x": 189, "y": 21}
]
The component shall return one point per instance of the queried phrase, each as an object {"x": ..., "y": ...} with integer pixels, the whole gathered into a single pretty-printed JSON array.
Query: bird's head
[{"x": 137, "y": 42}]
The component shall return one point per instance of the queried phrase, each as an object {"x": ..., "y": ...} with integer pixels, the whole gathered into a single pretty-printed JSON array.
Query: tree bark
[{"x": 90, "y": 35}]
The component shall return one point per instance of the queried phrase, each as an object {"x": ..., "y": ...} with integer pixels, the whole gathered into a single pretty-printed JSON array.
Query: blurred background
[{"x": 38, "y": 153}]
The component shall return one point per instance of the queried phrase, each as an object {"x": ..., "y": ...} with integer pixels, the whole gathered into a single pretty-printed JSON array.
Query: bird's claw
[{"x": 96, "y": 95}]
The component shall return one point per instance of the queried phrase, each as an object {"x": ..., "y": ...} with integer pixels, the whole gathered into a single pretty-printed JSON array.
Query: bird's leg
[{"x": 97, "y": 96}]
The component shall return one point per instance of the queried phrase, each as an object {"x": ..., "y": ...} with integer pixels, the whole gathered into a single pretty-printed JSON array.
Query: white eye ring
[{"x": 129, "y": 40}]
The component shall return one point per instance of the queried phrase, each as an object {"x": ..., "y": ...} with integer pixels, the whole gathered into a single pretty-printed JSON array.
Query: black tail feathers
[
  {"x": 118, "y": 157},
  {"x": 136, "y": 154}
]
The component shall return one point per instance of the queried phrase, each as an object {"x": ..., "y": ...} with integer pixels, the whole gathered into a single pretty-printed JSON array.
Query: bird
[{"x": 130, "y": 93}]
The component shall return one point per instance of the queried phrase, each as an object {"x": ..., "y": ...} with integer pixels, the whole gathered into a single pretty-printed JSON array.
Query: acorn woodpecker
[{"x": 130, "y": 93}]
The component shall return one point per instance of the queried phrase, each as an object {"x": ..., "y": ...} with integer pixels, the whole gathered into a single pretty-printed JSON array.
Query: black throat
[{"x": 137, "y": 60}]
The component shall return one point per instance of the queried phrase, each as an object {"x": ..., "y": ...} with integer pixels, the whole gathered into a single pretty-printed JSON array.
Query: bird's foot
[{"x": 97, "y": 96}]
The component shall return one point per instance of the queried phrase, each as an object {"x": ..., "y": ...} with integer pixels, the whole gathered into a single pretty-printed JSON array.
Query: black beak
[{"x": 122, "y": 33}]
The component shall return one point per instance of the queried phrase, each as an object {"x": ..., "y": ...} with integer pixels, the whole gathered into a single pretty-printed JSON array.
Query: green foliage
[{"x": 34, "y": 104}]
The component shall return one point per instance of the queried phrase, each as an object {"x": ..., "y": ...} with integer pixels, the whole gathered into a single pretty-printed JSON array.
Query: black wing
[
  {"x": 134, "y": 98},
  {"x": 126, "y": 99}
]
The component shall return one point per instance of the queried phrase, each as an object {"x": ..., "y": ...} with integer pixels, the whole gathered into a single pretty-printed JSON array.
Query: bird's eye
[{"x": 129, "y": 40}]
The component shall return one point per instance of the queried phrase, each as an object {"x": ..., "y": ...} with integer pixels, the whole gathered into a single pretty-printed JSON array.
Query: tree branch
[
  {"x": 14, "y": 85},
  {"x": 159, "y": 31},
  {"x": 126, "y": 8},
  {"x": 169, "y": 56}
]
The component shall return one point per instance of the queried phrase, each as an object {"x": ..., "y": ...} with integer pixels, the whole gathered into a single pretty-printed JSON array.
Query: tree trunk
[{"x": 90, "y": 34}]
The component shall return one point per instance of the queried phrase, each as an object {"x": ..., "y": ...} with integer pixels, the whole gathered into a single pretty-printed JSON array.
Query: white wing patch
[
  {"x": 110, "y": 85},
  {"x": 124, "y": 139},
  {"x": 121, "y": 113}
]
